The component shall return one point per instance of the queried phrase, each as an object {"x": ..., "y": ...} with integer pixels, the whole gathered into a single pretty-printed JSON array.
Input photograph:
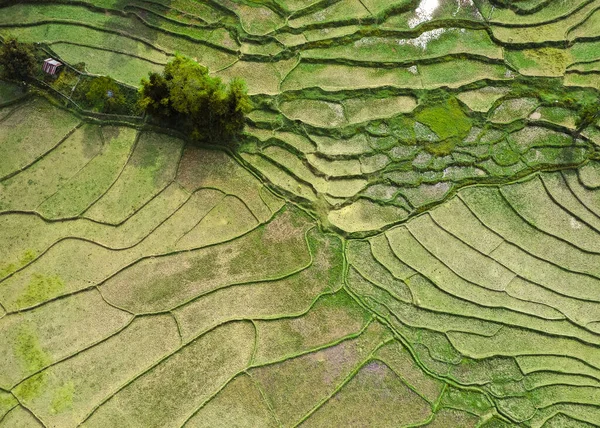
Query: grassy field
[{"x": 407, "y": 235}]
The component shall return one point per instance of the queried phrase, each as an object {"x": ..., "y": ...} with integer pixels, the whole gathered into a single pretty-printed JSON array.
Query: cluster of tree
[
  {"x": 17, "y": 60},
  {"x": 185, "y": 96}
]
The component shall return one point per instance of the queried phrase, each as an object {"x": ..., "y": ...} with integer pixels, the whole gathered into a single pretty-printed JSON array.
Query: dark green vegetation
[
  {"x": 185, "y": 95},
  {"x": 100, "y": 94},
  {"x": 182, "y": 97},
  {"x": 17, "y": 61},
  {"x": 408, "y": 234},
  {"x": 104, "y": 95}
]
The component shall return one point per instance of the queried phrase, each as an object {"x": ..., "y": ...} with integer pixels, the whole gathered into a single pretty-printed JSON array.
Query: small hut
[{"x": 51, "y": 66}]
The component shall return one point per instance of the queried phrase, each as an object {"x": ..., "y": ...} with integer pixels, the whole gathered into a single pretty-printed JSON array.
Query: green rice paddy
[{"x": 408, "y": 234}]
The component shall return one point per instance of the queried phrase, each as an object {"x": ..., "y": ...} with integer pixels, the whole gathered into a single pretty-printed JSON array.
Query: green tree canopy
[
  {"x": 17, "y": 60},
  {"x": 104, "y": 94},
  {"x": 587, "y": 114},
  {"x": 186, "y": 95}
]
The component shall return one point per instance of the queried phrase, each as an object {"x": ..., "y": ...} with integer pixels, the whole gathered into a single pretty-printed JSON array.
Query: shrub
[
  {"x": 65, "y": 82},
  {"x": 185, "y": 95},
  {"x": 80, "y": 66},
  {"x": 104, "y": 95},
  {"x": 17, "y": 60},
  {"x": 587, "y": 114}
]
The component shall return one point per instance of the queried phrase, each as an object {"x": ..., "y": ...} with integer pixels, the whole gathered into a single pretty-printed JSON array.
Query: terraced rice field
[{"x": 408, "y": 235}]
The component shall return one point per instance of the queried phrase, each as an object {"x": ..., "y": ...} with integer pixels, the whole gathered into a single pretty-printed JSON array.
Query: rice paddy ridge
[{"x": 222, "y": 268}]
